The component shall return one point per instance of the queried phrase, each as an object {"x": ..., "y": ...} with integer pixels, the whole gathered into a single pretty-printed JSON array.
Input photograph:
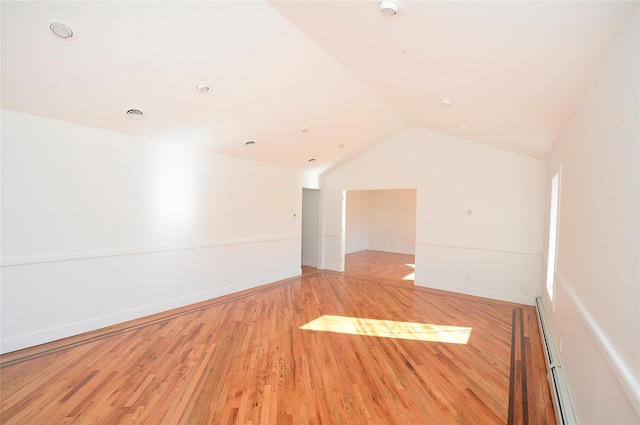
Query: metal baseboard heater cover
[{"x": 559, "y": 391}]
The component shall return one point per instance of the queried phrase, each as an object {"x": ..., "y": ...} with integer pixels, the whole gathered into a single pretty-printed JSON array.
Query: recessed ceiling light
[
  {"x": 311, "y": 159},
  {"x": 447, "y": 101},
  {"x": 250, "y": 143},
  {"x": 463, "y": 127},
  {"x": 134, "y": 113},
  {"x": 202, "y": 87},
  {"x": 61, "y": 30},
  {"x": 304, "y": 129},
  {"x": 388, "y": 7},
  {"x": 341, "y": 145}
]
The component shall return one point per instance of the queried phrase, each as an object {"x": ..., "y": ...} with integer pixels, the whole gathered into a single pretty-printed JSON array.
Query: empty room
[{"x": 320, "y": 212}]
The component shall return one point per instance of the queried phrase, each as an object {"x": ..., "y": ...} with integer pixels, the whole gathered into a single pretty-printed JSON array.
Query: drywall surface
[
  {"x": 100, "y": 227},
  {"x": 357, "y": 222},
  {"x": 381, "y": 220},
  {"x": 597, "y": 295},
  {"x": 310, "y": 227},
  {"x": 479, "y": 212},
  {"x": 392, "y": 220}
]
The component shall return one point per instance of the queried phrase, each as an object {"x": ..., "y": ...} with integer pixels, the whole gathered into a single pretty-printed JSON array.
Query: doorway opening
[
  {"x": 310, "y": 250},
  {"x": 380, "y": 233}
]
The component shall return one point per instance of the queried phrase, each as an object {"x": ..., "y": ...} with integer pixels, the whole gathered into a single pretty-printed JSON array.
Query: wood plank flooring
[
  {"x": 391, "y": 266},
  {"x": 259, "y": 357}
]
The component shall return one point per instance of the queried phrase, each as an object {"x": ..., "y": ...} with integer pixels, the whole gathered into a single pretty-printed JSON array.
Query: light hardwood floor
[
  {"x": 390, "y": 266},
  {"x": 325, "y": 348}
]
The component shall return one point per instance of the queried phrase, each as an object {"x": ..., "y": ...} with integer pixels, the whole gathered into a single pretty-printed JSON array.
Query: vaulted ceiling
[{"x": 308, "y": 79}]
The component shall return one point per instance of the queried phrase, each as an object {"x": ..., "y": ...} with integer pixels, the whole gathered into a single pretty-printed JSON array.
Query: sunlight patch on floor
[
  {"x": 412, "y": 275},
  {"x": 390, "y": 329}
]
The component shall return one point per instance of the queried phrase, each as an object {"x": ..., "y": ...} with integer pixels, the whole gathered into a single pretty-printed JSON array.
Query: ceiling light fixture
[
  {"x": 388, "y": 7},
  {"x": 61, "y": 30},
  {"x": 447, "y": 101},
  {"x": 463, "y": 127},
  {"x": 341, "y": 145},
  {"x": 250, "y": 143},
  {"x": 304, "y": 129},
  {"x": 202, "y": 87}
]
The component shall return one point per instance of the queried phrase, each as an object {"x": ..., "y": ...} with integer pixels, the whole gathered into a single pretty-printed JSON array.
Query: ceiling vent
[
  {"x": 61, "y": 30},
  {"x": 134, "y": 114}
]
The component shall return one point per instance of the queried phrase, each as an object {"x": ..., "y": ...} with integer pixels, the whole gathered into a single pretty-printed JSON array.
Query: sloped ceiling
[{"x": 351, "y": 76}]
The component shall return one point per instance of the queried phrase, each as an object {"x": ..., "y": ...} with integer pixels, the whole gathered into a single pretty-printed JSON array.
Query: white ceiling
[{"x": 515, "y": 71}]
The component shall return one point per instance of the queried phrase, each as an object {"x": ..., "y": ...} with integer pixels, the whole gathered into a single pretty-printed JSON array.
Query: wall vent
[{"x": 559, "y": 390}]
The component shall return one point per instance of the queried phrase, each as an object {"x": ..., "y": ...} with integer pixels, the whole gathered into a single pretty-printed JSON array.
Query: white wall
[
  {"x": 357, "y": 221},
  {"x": 100, "y": 227},
  {"x": 311, "y": 227},
  {"x": 597, "y": 299},
  {"x": 392, "y": 220},
  {"x": 381, "y": 220},
  {"x": 493, "y": 252}
]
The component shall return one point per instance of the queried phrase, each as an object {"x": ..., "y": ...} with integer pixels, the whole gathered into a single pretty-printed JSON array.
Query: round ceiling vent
[
  {"x": 134, "y": 114},
  {"x": 61, "y": 30}
]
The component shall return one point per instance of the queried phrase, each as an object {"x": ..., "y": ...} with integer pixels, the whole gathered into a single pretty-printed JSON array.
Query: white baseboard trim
[
  {"x": 48, "y": 335},
  {"x": 478, "y": 292},
  {"x": 72, "y": 256},
  {"x": 356, "y": 249},
  {"x": 390, "y": 249},
  {"x": 310, "y": 263},
  {"x": 630, "y": 385},
  {"x": 331, "y": 266}
]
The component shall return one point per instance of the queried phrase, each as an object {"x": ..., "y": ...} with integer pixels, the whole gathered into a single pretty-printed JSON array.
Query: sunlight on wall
[
  {"x": 176, "y": 186},
  {"x": 390, "y": 329}
]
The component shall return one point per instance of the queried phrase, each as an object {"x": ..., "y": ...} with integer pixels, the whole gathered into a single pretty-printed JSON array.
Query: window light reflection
[{"x": 390, "y": 329}]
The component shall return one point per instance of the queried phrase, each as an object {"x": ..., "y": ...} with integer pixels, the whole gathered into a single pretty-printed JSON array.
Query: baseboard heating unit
[{"x": 559, "y": 391}]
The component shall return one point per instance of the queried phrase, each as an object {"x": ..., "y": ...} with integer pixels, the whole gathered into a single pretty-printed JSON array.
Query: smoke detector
[{"x": 388, "y": 7}]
